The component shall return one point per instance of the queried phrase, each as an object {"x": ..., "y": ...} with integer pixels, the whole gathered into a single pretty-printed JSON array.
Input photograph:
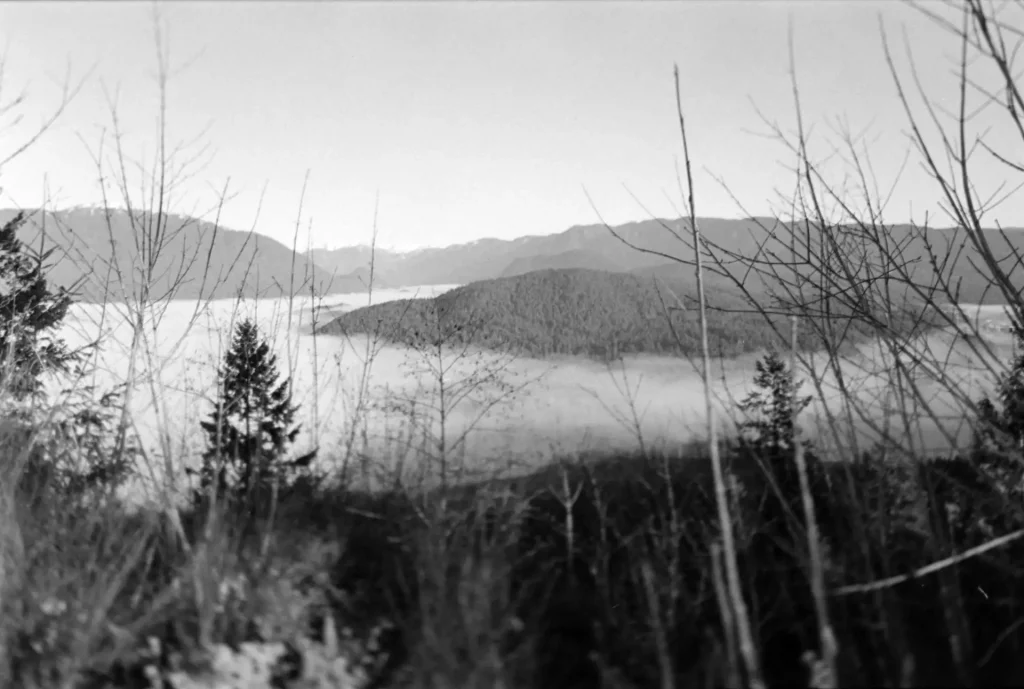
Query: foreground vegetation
[{"x": 595, "y": 568}]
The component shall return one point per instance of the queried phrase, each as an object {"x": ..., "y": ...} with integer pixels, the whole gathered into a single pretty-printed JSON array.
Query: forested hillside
[
  {"x": 99, "y": 253},
  {"x": 579, "y": 312},
  {"x": 928, "y": 258}
]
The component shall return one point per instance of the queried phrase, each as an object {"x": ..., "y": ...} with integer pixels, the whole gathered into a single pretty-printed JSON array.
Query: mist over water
[{"x": 565, "y": 405}]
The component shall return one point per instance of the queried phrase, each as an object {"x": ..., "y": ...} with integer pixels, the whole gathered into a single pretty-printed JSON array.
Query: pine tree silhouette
[
  {"x": 772, "y": 406},
  {"x": 770, "y": 435},
  {"x": 252, "y": 425},
  {"x": 29, "y": 312},
  {"x": 1003, "y": 427}
]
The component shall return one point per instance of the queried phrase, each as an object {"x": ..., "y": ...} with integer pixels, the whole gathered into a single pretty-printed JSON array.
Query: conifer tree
[
  {"x": 252, "y": 424},
  {"x": 71, "y": 453},
  {"x": 772, "y": 407},
  {"x": 29, "y": 313},
  {"x": 994, "y": 476},
  {"x": 1003, "y": 427},
  {"x": 770, "y": 435}
]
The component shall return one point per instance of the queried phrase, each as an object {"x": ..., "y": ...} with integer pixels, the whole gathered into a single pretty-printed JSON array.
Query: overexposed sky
[{"x": 470, "y": 119}]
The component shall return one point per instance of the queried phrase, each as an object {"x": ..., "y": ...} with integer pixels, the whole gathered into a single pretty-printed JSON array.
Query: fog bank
[{"x": 561, "y": 406}]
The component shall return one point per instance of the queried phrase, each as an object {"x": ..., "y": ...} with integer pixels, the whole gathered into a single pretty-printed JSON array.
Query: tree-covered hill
[{"x": 579, "y": 312}]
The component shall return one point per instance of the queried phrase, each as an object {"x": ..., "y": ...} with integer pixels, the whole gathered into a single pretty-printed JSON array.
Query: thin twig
[{"x": 732, "y": 573}]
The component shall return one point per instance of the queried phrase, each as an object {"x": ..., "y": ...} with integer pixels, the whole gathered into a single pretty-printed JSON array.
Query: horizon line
[{"x": 429, "y": 247}]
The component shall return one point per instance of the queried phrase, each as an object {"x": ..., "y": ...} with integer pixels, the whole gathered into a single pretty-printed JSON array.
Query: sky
[{"x": 454, "y": 121}]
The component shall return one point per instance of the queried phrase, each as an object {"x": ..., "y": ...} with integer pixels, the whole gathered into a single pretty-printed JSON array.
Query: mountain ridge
[
  {"x": 594, "y": 246},
  {"x": 92, "y": 243},
  {"x": 97, "y": 252}
]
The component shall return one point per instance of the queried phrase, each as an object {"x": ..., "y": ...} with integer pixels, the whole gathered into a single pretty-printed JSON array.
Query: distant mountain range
[
  {"x": 944, "y": 254},
  {"x": 578, "y": 247},
  {"x": 99, "y": 251}
]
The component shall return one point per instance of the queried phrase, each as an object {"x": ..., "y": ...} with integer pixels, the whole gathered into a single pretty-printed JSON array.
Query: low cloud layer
[{"x": 560, "y": 406}]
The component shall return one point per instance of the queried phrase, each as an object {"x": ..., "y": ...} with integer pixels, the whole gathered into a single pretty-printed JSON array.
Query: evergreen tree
[
  {"x": 772, "y": 407},
  {"x": 993, "y": 479},
  {"x": 769, "y": 435},
  {"x": 1003, "y": 427},
  {"x": 29, "y": 313},
  {"x": 252, "y": 425},
  {"x": 71, "y": 452}
]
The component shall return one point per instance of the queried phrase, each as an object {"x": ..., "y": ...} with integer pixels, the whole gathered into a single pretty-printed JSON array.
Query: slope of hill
[
  {"x": 354, "y": 281},
  {"x": 99, "y": 252},
  {"x": 351, "y": 259},
  {"x": 486, "y": 259},
  {"x": 596, "y": 314},
  {"x": 573, "y": 258},
  {"x": 594, "y": 247}
]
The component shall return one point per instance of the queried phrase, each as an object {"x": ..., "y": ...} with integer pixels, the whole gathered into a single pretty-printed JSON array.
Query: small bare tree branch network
[{"x": 879, "y": 314}]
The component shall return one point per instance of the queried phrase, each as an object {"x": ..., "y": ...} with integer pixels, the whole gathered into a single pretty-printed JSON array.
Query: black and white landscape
[
  {"x": 464, "y": 345},
  {"x": 578, "y": 327}
]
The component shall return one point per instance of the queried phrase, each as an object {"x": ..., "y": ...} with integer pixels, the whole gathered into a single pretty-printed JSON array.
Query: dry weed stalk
[
  {"x": 732, "y": 575},
  {"x": 660, "y": 636}
]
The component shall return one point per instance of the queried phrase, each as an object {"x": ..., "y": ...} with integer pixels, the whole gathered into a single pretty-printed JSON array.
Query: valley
[
  {"x": 437, "y": 346},
  {"x": 566, "y": 402}
]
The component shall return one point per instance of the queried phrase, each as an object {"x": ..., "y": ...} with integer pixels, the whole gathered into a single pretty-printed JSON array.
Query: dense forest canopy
[{"x": 594, "y": 314}]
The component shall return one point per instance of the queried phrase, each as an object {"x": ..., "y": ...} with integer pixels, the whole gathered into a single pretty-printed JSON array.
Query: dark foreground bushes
[{"x": 565, "y": 578}]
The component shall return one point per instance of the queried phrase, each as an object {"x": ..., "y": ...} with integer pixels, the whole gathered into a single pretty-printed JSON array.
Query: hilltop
[{"x": 575, "y": 311}]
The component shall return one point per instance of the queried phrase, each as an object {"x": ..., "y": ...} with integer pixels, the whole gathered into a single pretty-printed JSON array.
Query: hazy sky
[{"x": 469, "y": 119}]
